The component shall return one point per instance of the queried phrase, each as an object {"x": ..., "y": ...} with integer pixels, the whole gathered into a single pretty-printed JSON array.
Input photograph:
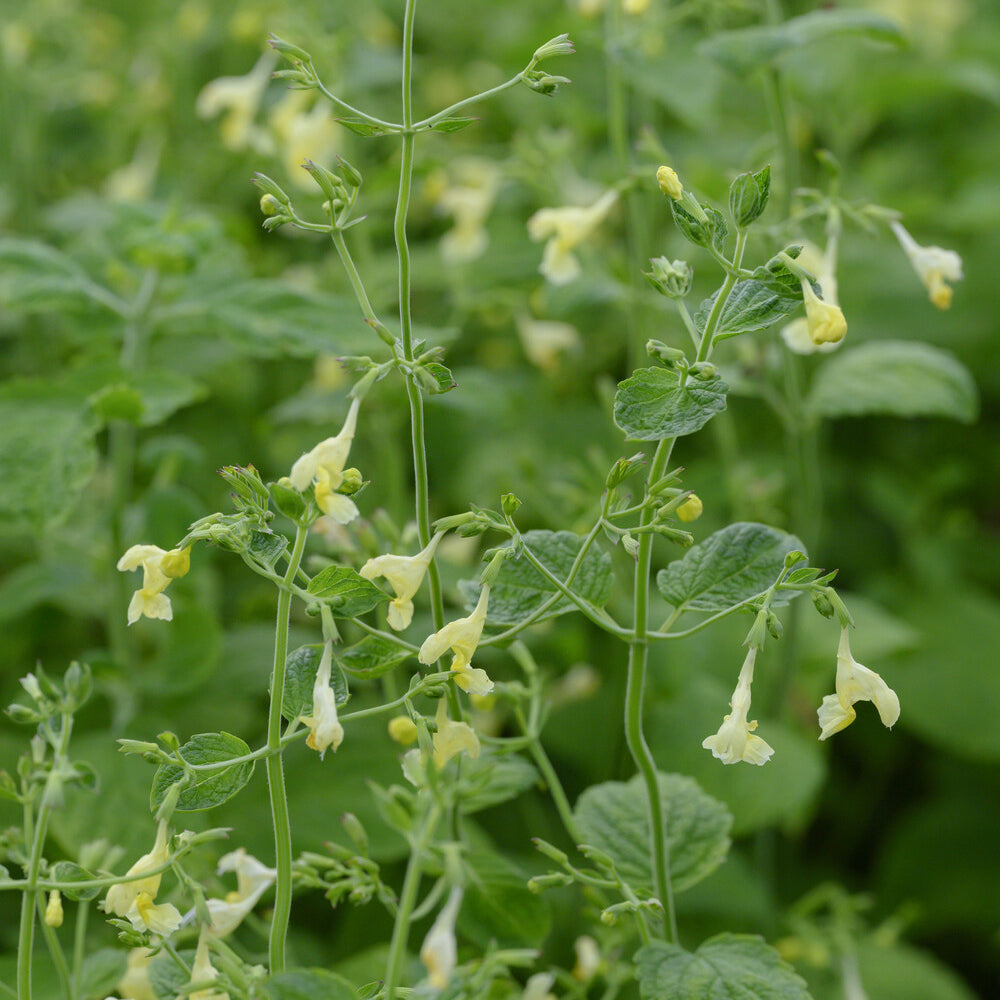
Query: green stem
[
  {"x": 776, "y": 93},
  {"x": 389, "y": 126},
  {"x": 275, "y": 771},
  {"x": 55, "y": 950},
  {"x": 80, "y": 943},
  {"x": 475, "y": 99},
  {"x": 552, "y": 781}
]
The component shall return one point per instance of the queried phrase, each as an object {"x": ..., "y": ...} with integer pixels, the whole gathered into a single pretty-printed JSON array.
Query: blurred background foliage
[{"x": 125, "y": 203}]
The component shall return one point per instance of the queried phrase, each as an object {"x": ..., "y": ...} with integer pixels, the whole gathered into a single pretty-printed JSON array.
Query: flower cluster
[{"x": 134, "y": 900}]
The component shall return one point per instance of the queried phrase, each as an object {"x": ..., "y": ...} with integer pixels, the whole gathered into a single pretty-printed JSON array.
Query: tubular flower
[
  {"x": 854, "y": 683},
  {"x": 565, "y": 229},
  {"x": 796, "y": 333},
  {"x": 468, "y": 200},
  {"x": 735, "y": 740},
  {"x": 240, "y": 98},
  {"x": 135, "y": 984},
  {"x": 439, "y": 952},
  {"x": 326, "y": 728},
  {"x": 545, "y": 341},
  {"x": 935, "y": 267},
  {"x": 158, "y": 569},
  {"x": 324, "y": 466},
  {"x": 825, "y": 320},
  {"x": 202, "y": 971},
  {"x": 253, "y": 879},
  {"x": 452, "y": 738},
  {"x": 134, "y": 899},
  {"x": 462, "y": 637},
  {"x": 404, "y": 574}
]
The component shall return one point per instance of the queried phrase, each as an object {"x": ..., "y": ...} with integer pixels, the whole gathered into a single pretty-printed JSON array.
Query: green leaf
[
  {"x": 725, "y": 967},
  {"x": 711, "y": 233},
  {"x": 267, "y": 546},
  {"x": 35, "y": 277},
  {"x": 166, "y": 977},
  {"x": 372, "y": 657},
  {"x": 208, "y": 788},
  {"x": 441, "y": 377},
  {"x": 746, "y": 49},
  {"x": 498, "y": 904},
  {"x": 490, "y": 779},
  {"x": 346, "y": 592},
  {"x": 68, "y": 871},
  {"x": 614, "y": 817},
  {"x": 451, "y": 124},
  {"x": 729, "y": 567},
  {"x": 308, "y": 984},
  {"x": 519, "y": 588},
  {"x": 901, "y": 378},
  {"x": 752, "y": 305},
  {"x": 300, "y": 676},
  {"x": 101, "y": 972},
  {"x": 359, "y": 126},
  {"x": 652, "y": 404},
  {"x": 748, "y": 196}
]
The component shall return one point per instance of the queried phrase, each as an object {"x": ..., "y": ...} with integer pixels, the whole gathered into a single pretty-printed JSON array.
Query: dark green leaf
[
  {"x": 498, "y": 904},
  {"x": 210, "y": 787},
  {"x": 101, "y": 972},
  {"x": 652, "y": 404},
  {"x": 346, "y": 592},
  {"x": 373, "y": 656},
  {"x": 267, "y": 546},
  {"x": 300, "y": 676},
  {"x": 308, "y": 984},
  {"x": 68, "y": 871},
  {"x": 752, "y": 305}
]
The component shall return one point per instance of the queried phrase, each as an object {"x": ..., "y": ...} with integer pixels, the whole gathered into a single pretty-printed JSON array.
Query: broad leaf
[
  {"x": 729, "y": 567},
  {"x": 752, "y": 305},
  {"x": 300, "y": 676},
  {"x": 614, "y": 817},
  {"x": 308, "y": 984},
  {"x": 652, "y": 404},
  {"x": 35, "y": 277},
  {"x": 725, "y": 967},
  {"x": 69, "y": 871},
  {"x": 901, "y": 378},
  {"x": 490, "y": 779},
  {"x": 210, "y": 787},
  {"x": 346, "y": 592},
  {"x": 166, "y": 977},
  {"x": 498, "y": 906},
  {"x": 372, "y": 657}
]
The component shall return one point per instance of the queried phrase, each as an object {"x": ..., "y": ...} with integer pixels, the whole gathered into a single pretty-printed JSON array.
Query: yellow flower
[
  {"x": 545, "y": 340},
  {"x": 468, "y": 199},
  {"x": 565, "y": 229},
  {"x": 825, "y": 320},
  {"x": 796, "y": 333},
  {"x": 158, "y": 569},
  {"x": 670, "y": 183},
  {"x": 452, "y": 738},
  {"x": 588, "y": 959},
  {"x": 439, "y": 952},
  {"x": 302, "y": 135},
  {"x": 135, "y": 984},
  {"x": 203, "y": 971},
  {"x": 253, "y": 879},
  {"x": 691, "y": 509},
  {"x": 238, "y": 98},
  {"x": 404, "y": 574},
  {"x": 854, "y": 683},
  {"x": 735, "y": 740},
  {"x": 935, "y": 267},
  {"x": 538, "y": 987},
  {"x": 134, "y": 900},
  {"x": 324, "y": 466},
  {"x": 461, "y": 636},
  {"x": 54, "y": 909},
  {"x": 402, "y": 730},
  {"x": 326, "y": 728}
]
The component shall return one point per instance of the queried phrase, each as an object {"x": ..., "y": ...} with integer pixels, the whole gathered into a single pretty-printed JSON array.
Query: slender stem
[
  {"x": 80, "y": 943},
  {"x": 776, "y": 93},
  {"x": 475, "y": 99},
  {"x": 275, "y": 771},
  {"x": 552, "y": 781},
  {"x": 390, "y": 126},
  {"x": 708, "y": 337}
]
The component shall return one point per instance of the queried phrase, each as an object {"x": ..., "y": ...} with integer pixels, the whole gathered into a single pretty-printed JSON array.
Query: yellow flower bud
[
  {"x": 54, "y": 910},
  {"x": 176, "y": 562},
  {"x": 270, "y": 205},
  {"x": 691, "y": 509},
  {"x": 670, "y": 183},
  {"x": 403, "y": 730}
]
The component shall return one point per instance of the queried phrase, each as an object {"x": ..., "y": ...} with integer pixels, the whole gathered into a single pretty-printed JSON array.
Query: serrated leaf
[
  {"x": 267, "y": 546},
  {"x": 652, "y": 404},
  {"x": 614, "y": 817},
  {"x": 746, "y": 49},
  {"x": 300, "y": 676},
  {"x": 498, "y": 904},
  {"x": 359, "y": 126},
  {"x": 346, "y": 592},
  {"x": 725, "y": 967},
  {"x": 69, "y": 871},
  {"x": 451, "y": 124},
  {"x": 308, "y": 984},
  {"x": 752, "y": 305},
  {"x": 210, "y": 787},
  {"x": 372, "y": 657},
  {"x": 731, "y": 566},
  {"x": 900, "y": 378},
  {"x": 519, "y": 588},
  {"x": 490, "y": 779}
]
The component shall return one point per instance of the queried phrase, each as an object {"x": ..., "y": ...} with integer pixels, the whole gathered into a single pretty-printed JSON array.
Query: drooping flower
[
  {"x": 238, "y": 99},
  {"x": 253, "y": 879},
  {"x": 326, "y": 728},
  {"x": 159, "y": 567},
  {"x": 935, "y": 267},
  {"x": 855, "y": 682},
  {"x": 135, "y": 900},
  {"x": 135, "y": 984},
  {"x": 467, "y": 194},
  {"x": 796, "y": 333},
  {"x": 439, "y": 952},
  {"x": 588, "y": 959},
  {"x": 203, "y": 971},
  {"x": 539, "y": 986},
  {"x": 565, "y": 229},
  {"x": 404, "y": 574},
  {"x": 324, "y": 466},
  {"x": 825, "y": 320},
  {"x": 452, "y": 738},
  {"x": 735, "y": 740},
  {"x": 461, "y": 636}
]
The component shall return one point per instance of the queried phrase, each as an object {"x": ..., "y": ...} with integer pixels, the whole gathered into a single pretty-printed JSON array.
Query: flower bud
[
  {"x": 690, "y": 509},
  {"x": 657, "y": 349},
  {"x": 402, "y": 730},
  {"x": 558, "y": 46},
  {"x": 670, "y": 183},
  {"x": 352, "y": 482},
  {"x": 54, "y": 910},
  {"x": 270, "y": 205},
  {"x": 509, "y": 504},
  {"x": 670, "y": 278}
]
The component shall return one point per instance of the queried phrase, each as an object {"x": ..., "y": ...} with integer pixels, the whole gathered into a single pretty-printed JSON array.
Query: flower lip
[
  {"x": 735, "y": 742},
  {"x": 854, "y": 683}
]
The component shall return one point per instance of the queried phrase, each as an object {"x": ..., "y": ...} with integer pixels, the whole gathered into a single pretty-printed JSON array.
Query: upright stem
[{"x": 275, "y": 771}]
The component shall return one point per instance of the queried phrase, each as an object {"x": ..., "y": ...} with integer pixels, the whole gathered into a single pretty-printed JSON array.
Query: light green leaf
[
  {"x": 69, "y": 871},
  {"x": 725, "y": 967},
  {"x": 452, "y": 124},
  {"x": 901, "y": 378},
  {"x": 300, "y": 676},
  {"x": 490, "y": 779},
  {"x": 498, "y": 904},
  {"x": 745, "y": 49},
  {"x": 652, "y": 404},
  {"x": 519, "y": 588},
  {"x": 372, "y": 657},
  {"x": 101, "y": 972},
  {"x": 166, "y": 977},
  {"x": 752, "y": 305},
  {"x": 440, "y": 376},
  {"x": 308, "y": 984},
  {"x": 366, "y": 129},
  {"x": 211, "y": 787},
  {"x": 730, "y": 566},
  {"x": 346, "y": 592},
  {"x": 614, "y": 817},
  {"x": 35, "y": 277}
]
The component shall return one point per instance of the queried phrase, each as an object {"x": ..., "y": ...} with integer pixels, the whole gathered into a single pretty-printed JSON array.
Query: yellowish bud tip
[
  {"x": 176, "y": 562},
  {"x": 270, "y": 205},
  {"x": 941, "y": 293},
  {"x": 691, "y": 509},
  {"x": 670, "y": 183},
  {"x": 403, "y": 730},
  {"x": 54, "y": 910}
]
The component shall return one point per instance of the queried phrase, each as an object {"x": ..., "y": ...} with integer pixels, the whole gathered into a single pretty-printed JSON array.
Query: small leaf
[
  {"x": 752, "y": 305},
  {"x": 300, "y": 676},
  {"x": 490, "y": 780},
  {"x": 725, "y": 967},
  {"x": 451, "y": 124},
  {"x": 347, "y": 593},
  {"x": 730, "y": 566},
  {"x": 440, "y": 375},
  {"x": 900, "y": 378},
  {"x": 748, "y": 196},
  {"x": 372, "y": 657},
  {"x": 652, "y": 404},
  {"x": 267, "y": 547},
  {"x": 68, "y": 871},
  {"x": 364, "y": 128},
  {"x": 614, "y": 817},
  {"x": 210, "y": 787}
]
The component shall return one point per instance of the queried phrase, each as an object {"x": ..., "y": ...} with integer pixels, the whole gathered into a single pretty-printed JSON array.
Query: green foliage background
[{"x": 910, "y": 511}]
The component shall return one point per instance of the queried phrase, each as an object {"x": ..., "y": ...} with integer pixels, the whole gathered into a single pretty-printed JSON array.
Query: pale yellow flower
[
  {"x": 439, "y": 952},
  {"x": 402, "y": 730},
  {"x": 539, "y": 986},
  {"x": 452, "y": 738},
  {"x": 467, "y": 195},
  {"x": 935, "y": 267},
  {"x": 461, "y": 636},
  {"x": 302, "y": 134},
  {"x": 159, "y": 567},
  {"x": 826, "y": 323},
  {"x": 238, "y": 99},
  {"x": 253, "y": 879},
  {"x": 565, "y": 229},
  {"x": 796, "y": 334},
  {"x": 735, "y": 740},
  {"x": 135, "y": 900},
  {"x": 854, "y": 683},
  {"x": 670, "y": 183},
  {"x": 54, "y": 909},
  {"x": 324, "y": 466},
  {"x": 404, "y": 574},
  {"x": 691, "y": 509},
  {"x": 545, "y": 341},
  {"x": 326, "y": 728},
  {"x": 588, "y": 959}
]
